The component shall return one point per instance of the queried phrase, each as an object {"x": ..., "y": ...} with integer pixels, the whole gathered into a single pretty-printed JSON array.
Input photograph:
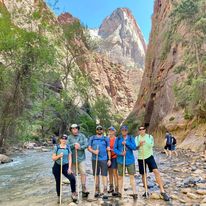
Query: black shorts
[
  {"x": 101, "y": 167},
  {"x": 168, "y": 146},
  {"x": 150, "y": 162}
]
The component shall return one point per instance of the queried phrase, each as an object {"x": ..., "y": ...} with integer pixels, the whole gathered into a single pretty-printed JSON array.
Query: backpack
[
  {"x": 104, "y": 140},
  {"x": 174, "y": 141},
  {"x": 169, "y": 139},
  {"x": 67, "y": 147}
]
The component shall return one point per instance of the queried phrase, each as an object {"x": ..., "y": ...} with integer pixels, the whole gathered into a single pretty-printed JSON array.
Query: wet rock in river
[{"x": 5, "y": 159}]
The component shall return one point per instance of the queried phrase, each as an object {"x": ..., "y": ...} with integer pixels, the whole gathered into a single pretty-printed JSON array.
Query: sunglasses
[
  {"x": 141, "y": 129},
  {"x": 99, "y": 129},
  {"x": 64, "y": 138}
]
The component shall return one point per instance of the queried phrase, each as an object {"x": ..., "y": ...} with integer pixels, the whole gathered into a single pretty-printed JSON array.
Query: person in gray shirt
[{"x": 78, "y": 141}]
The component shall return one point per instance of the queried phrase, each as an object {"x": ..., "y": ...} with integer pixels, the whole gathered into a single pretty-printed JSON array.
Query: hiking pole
[
  {"x": 95, "y": 174},
  {"x": 77, "y": 172},
  {"x": 123, "y": 176},
  {"x": 145, "y": 174},
  {"x": 60, "y": 201}
]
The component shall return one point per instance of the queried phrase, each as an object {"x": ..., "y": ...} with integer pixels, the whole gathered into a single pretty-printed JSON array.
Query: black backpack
[{"x": 174, "y": 141}]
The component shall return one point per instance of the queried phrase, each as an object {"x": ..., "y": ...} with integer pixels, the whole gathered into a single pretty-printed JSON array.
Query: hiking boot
[
  {"x": 85, "y": 193},
  {"x": 115, "y": 193},
  {"x": 111, "y": 189},
  {"x": 165, "y": 196},
  {"x": 105, "y": 195},
  {"x": 96, "y": 194},
  {"x": 145, "y": 194},
  {"x": 74, "y": 197}
]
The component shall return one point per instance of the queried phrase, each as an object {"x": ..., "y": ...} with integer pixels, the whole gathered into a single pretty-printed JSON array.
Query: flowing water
[{"x": 28, "y": 181}]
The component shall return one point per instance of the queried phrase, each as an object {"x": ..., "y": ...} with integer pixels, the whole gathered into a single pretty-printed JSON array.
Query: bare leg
[
  {"x": 115, "y": 174},
  {"x": 143, "y": 180},
  {"x": 111, "y": 177},
  {"x": 166, "y": 152},
  {"x": 120, "y": 183},
  {"x": 104, "y": 181},
  {"x": 158, "y": 179},
  {"x": 132, "y": 182}
]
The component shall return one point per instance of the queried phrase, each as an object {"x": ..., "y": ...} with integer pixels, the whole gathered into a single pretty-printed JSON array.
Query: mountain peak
[{"x": 125, "y": 37}]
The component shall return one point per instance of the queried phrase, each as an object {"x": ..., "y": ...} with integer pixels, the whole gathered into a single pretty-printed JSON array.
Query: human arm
[
  {"x": 55, "y": 156},
  {"x": 90, "y": 149},
  {"x": 116, "y": 150},
  {"x": 130, "y": 143}
]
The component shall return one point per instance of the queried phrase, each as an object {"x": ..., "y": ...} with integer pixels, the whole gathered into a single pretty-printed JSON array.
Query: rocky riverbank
[{"x": 30, "y": 181}]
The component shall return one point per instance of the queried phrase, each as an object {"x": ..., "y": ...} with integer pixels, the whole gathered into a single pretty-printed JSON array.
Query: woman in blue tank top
[{"x": 63, "y": 151}]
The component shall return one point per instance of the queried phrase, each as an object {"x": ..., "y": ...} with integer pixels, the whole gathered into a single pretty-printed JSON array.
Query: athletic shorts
[
  {"x": 101, "y": 167},
  {"x": 150, "y": 162},
  {"x": 81, "y": 167},
  {"x": 113, "y": 163},
  {"x": 173, "y": 147},
  {"x": 130, "y": 169},
  {"x": 168, "y": 146}
]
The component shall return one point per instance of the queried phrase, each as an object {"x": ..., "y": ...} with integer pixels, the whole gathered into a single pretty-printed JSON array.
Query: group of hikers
[{"x": 110, "y": 155}]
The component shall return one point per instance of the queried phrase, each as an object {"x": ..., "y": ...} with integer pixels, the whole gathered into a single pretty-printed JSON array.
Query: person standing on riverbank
[
  {"x": 78, "y": 141},
  {"x": 145, "y": 143},
  {"x": 127, "y": 142},
  {"x": 63, "y": 151},
  {"x": 99, "y": 147},
  {"x": 113, "y": 175},
  {"x": 168, "y": 144}
]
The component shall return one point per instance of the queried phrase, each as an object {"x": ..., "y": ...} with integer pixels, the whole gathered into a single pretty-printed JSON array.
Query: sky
[{"x": 93, "y": 12}]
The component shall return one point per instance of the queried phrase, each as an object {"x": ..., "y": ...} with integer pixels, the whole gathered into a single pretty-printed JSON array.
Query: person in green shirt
[
  {"x": 78, "y": 141},
  {"x": 145, "y": 143}
]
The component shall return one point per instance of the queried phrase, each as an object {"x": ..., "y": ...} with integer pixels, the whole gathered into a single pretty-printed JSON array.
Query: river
[{"x": 28, "y": 181}]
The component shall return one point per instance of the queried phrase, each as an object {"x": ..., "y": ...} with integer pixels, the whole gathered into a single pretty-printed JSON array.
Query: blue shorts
[
  {"x": 113, "y": 163},
  {"x": 173, "y": 147}
]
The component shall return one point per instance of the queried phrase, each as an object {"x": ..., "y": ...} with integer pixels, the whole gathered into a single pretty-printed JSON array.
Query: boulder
[
  {"x": 4, "y": 159},
  {"x": 30, "y": 145}
]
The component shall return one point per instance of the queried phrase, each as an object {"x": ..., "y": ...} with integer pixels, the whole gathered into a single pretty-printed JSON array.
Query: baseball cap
[
  {"x": 124, "y": 127},
  {"x": 99, "y": 127},
  {"x": 112, "y": 128},
  {"x": 74, "y": 126}
]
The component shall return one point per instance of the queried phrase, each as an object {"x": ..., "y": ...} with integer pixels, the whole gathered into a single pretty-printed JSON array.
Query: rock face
[
  {"x": 111, "y": 79},
  {"x": 156, "y": 104},
  {"x": 122, "y": 38}
]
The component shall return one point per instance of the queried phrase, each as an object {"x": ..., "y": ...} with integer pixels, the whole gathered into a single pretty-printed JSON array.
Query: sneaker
[
  {"x": 74, "y": 197},
  {"x": 111, "y": 189},
  {"x": 105, "y": 196},
  {"x": 85, "y": 193},
  {"x": 96, "y": 194},
  {"x": 145, "y": 194},
  {"x": 165, "y": 196},
  {"x": 114, "y": 194}
]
